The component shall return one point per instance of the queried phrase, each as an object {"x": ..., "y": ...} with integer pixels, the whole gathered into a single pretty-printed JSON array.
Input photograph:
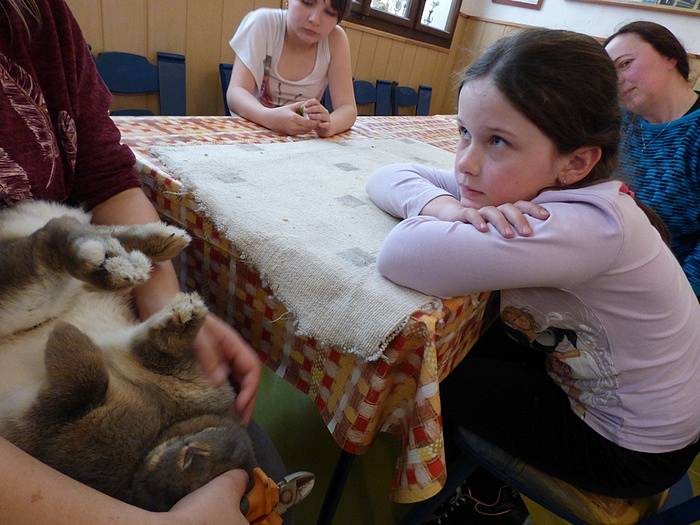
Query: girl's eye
[
  {"x": 334, "y": 14},
  {"x": 498, "y": 141},
  {"x": 464, "y": 133}
]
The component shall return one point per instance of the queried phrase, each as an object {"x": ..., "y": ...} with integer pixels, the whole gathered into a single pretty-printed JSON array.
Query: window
[{"x": 431, "y": 21}]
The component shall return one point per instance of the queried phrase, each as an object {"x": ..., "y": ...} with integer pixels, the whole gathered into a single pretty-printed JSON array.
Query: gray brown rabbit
[{"x": 116, "y": 403}]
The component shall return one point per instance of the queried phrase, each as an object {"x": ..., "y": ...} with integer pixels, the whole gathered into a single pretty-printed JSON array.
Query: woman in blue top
[{"x": 660, "y": 148}]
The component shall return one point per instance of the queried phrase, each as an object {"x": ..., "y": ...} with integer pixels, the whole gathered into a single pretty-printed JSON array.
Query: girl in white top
[
  {"x": 597, "y": 380},
  {"x": 284, "y": 61}
]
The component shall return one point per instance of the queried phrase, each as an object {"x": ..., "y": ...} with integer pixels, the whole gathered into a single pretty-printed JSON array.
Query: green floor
[{"x": 293, "y": 423}]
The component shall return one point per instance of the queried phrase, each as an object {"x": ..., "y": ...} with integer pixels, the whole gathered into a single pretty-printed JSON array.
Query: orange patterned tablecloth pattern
[{"x": 398, "y": 393}]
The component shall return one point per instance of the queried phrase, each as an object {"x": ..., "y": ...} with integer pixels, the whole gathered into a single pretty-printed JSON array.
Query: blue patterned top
[{"x": 661, "y": 162}]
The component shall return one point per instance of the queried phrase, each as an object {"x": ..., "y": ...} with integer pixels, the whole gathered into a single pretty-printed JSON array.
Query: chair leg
[
  {"x": 680, "y": 508},
  {"x": 335, "y": 488},
  {"x": 457, "y": 471},
  {"x": 515, "y": 473}
]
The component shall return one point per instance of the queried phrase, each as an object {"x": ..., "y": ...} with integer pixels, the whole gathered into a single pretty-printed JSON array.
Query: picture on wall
[
  {"x": 530, "y": 4},
  {"x": 691, "y": 7}
]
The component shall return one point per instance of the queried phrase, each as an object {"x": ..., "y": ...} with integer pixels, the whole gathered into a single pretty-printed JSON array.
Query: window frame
[{"x": 410, "y": 27}]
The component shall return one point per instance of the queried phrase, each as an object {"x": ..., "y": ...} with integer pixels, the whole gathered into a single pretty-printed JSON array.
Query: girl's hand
[
  {"x": 507, "y": 218},
  {"x": 289, "y": 120},
  {"x": 319, "y": 114}
]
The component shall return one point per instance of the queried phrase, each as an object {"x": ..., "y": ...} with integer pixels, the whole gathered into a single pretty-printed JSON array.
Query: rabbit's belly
[
  {"x": 22, "y": 371},
  {"x": 101, "y": 316}
]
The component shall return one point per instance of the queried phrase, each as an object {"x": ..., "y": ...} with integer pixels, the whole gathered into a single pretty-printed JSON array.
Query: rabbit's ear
[
  {"x": 77, "y": 376},
  {"x": 192, "y": 453}
]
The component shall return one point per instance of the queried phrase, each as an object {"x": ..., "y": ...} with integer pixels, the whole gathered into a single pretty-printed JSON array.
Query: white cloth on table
[{"x": 298, "y": 212}]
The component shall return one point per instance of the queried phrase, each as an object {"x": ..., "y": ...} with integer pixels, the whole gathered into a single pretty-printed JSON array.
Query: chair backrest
[
  {"x": 407, "y": 97},
  {"x": 126, "y": 73},
  {"x": 402, "y": 97},
  {"x": 378, "y": 94},
  {"x": 326, "y": 100},
  {"x": 225, "y": 76},
  {"x": 383, "y": 104},
  {"x": 424, "y": 95},
  {"x": 365, "y": 92}
]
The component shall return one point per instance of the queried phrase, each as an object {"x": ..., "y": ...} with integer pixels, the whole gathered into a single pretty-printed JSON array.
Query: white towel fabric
[{"x": 298, "y": 212}]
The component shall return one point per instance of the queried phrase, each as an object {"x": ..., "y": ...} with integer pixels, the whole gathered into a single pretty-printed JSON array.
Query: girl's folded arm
[
  {"x": 448, "y": 259},
  {"x": 403, "y": 190}
]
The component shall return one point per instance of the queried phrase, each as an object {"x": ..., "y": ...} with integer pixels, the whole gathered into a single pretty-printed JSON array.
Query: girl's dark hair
[
  {"x": 564, "y": 83},
  {"x": 661, "y": 39},
  {"x": 342, "y": 7}
]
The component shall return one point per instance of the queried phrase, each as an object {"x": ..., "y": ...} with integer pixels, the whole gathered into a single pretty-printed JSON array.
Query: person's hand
[
  {"x": 290, "y": 120},
  {"x": 223, "y": 353},
  {"x": 508, "y": 219},
  {"x": 216, "y": 503},
  {"x": 318, "y": 113}
]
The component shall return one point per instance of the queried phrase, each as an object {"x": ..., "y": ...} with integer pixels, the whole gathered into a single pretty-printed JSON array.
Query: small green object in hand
[{"x": 301, "y": 111}]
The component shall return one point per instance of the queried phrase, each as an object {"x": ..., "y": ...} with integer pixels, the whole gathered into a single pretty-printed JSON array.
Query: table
[{"x": 397, "y": 393}]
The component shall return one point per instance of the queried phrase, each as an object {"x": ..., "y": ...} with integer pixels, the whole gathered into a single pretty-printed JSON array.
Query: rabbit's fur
[{"x": 116, "y": 403}]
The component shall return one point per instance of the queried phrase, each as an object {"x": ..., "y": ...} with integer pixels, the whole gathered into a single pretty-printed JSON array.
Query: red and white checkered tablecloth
[{"x": 398, "y": 393}]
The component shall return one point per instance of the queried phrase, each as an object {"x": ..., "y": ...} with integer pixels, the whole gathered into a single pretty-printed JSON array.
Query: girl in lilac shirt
[{"x": 593, "y": 375}]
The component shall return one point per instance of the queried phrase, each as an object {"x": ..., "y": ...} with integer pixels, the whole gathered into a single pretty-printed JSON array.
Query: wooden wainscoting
[{"x": 201, "y": 30}]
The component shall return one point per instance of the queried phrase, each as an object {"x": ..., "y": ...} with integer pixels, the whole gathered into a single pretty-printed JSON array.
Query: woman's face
[
  {"x": 501, "y": 155},
  {"x": 642, "y": 72},
  {"x": 311, "y": 20}
]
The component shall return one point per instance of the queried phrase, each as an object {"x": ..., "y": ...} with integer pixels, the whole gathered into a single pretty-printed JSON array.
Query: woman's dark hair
[
  {"x": 564, "y": 83},
  {"x": 661, "y": 39},
  {"x": 342, "y": 7}
]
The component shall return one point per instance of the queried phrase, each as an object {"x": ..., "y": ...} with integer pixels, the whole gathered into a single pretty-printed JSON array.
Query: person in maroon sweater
[{"x": 58, "y": 143}]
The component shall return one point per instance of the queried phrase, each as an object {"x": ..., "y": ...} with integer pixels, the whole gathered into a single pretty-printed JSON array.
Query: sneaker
[{"x": 506, "y": 508}]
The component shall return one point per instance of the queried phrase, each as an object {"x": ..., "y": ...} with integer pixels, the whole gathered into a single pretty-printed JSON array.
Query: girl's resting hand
[
  {"x": 319, "y": 114},
  {"x": 289, "y": 120},
  {"x": 507, "y": 218}
]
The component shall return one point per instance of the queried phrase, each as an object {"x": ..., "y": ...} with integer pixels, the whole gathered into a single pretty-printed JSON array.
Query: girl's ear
[
  {"x": 578, "y": 164},
  {"x": 671, "y": 63}
]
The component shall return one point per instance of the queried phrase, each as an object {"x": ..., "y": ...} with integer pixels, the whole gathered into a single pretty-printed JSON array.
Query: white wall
[{"x": 593, "y": 19}]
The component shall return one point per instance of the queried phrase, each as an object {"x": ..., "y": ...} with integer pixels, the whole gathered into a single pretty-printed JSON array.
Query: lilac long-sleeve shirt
[{"x": 594, "y": 286}]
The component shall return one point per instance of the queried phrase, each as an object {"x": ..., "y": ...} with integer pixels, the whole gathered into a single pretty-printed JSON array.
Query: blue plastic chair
[
  {"x": 383, "y": 104},
  {"x": 225, "y": 76},
  {"x": 126, "y": 73},
  {"x": 425, "y": 93},
  {"x": 404, "y": 96},
  {"x": 378, "y": 94},
  {"x": 326, "y": 100},
  {"x": 365, "y": 92},
  {"x": 680, "y": 507}
]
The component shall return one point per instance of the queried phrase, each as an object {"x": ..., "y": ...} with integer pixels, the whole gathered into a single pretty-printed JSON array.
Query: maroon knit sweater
[{"x": 57, "y": 141}]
